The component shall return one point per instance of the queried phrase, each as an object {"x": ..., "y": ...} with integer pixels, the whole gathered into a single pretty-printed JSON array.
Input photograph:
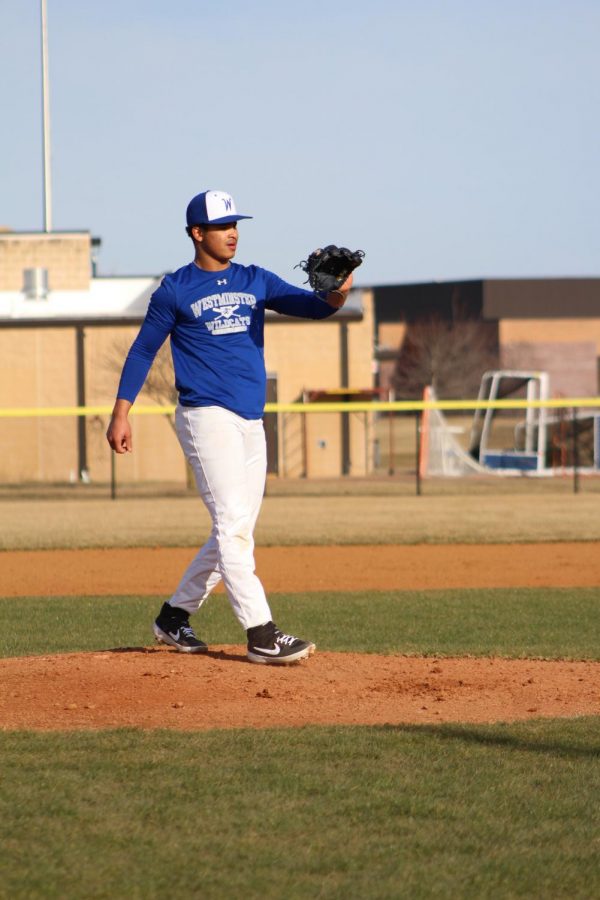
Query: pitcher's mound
[{"x": 159, "y": 688}]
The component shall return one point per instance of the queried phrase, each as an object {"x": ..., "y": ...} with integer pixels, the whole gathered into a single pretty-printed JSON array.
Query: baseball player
[{"x": 213, "y": 310}]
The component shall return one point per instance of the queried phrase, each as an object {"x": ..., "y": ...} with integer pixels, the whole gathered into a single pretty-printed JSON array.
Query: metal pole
[
  {"x": 391, "y": 449},
  {"x": 303, "y": 426},
  {"x": 345, "y": 383},
  {"x": 113, "y": 475},
  {"x": 304, "y": 473},
  {"x": 46, "y": 122},
  {"x": 417, "y": 455},
  {"x": 575, "y": 453},
  {"x": 81, "y": 420}
]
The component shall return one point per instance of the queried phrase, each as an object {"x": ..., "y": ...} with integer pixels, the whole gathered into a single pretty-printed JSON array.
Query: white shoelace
[{"x": 285, "y": 638}]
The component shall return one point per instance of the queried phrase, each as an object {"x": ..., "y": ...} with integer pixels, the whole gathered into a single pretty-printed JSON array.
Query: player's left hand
[{"x": 338, "y": 297}]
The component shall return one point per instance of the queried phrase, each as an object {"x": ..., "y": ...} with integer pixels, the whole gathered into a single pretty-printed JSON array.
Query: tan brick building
[
  {"x": 65, "y": 348},
  {"x": 66, "y": 256}
]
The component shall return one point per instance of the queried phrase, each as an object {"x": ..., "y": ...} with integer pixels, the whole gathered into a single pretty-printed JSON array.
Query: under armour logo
[
  {"x": 221, "y": 281},
  {"x": 227, "y": 202}
]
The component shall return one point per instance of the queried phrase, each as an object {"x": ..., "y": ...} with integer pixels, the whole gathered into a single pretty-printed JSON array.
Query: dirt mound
[
  {"x": 151, "y": 687},
  {"x": 159, "y": 688}
]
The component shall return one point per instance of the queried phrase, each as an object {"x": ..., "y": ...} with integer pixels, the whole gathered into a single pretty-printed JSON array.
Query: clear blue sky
[{"x": 446, "y": 138}]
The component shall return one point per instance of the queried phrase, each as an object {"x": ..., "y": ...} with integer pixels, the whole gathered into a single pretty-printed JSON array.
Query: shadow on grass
[{"x": 469, "y": 734}]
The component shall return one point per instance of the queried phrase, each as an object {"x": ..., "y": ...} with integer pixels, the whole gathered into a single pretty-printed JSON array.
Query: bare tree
[
  {"x": 160, "y": 381},
  {"x": 451, "y": 356},
  {"x": 159, "y": 384}
]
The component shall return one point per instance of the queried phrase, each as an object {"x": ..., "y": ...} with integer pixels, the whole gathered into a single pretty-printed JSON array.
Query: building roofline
[
  {"x": 71, "y": 322},
  {"x": 37, "y": 234},
  {"x": 537, "y": 279},
  {"x": 126, "y": 277},
  {"x": 410, "y": 284}
]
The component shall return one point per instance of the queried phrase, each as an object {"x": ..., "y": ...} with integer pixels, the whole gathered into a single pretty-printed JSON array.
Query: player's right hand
[{"x": 118, "y": 434}]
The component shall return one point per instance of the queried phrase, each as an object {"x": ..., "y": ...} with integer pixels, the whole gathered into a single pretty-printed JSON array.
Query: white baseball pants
[{"x": 229, "y": 459}]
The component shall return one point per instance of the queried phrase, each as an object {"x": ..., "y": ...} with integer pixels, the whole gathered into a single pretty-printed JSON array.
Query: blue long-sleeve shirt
[{"x": 216, "y": 324}]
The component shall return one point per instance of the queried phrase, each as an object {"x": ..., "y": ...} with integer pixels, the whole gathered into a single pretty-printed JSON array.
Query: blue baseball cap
[{"x": 212, "y": 208}]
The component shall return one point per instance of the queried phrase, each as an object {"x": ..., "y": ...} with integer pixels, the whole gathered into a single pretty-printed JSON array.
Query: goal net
[{"x": 440, "y": 452}]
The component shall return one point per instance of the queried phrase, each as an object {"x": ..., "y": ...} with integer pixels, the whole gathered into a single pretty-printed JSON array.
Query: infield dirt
[
  {"x": 289, "y": 569},
  {"x": 154, "y": 687}
]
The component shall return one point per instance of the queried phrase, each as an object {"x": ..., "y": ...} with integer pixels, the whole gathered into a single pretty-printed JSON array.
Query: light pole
[{"x": 46, "y": 122}]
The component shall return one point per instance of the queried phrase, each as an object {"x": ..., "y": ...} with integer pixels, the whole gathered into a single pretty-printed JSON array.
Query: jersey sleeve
[
  {"x": 158, "y": 324},
  {"x": 290, "y": 300}
]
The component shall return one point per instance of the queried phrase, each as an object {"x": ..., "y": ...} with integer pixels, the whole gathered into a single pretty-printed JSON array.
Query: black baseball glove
[{"x": 328, "y": 267}]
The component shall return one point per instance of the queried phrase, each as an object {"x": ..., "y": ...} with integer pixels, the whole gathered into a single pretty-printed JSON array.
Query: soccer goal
[
  {"x": 500, "y": 443},
  {"x": 497, "y": 441}
]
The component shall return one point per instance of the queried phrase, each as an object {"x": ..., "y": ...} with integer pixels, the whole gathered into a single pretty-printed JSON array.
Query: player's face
[{"x": 218, "y": 242}]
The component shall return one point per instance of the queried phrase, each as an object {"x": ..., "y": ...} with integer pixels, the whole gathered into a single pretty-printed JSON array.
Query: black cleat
[
  {"x": 172, "y": 627},
  {"x": 267, "y": 644}
]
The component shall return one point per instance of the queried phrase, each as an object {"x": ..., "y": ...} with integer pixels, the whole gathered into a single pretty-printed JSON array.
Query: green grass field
[
  {"x": 375, "y": 812},
  {"x": 447, "y": 811},
  {"x": 415, "y": 812},
  {"x": 523, "y": 622}
]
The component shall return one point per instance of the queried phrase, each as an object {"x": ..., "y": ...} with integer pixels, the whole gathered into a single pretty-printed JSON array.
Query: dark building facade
[{"x": 550, "y": 324}]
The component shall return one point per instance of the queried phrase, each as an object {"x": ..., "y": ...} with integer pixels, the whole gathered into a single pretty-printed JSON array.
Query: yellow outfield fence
[
  {"x": 337, "y": 407},
  {"x": 360, "y": 438}
]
